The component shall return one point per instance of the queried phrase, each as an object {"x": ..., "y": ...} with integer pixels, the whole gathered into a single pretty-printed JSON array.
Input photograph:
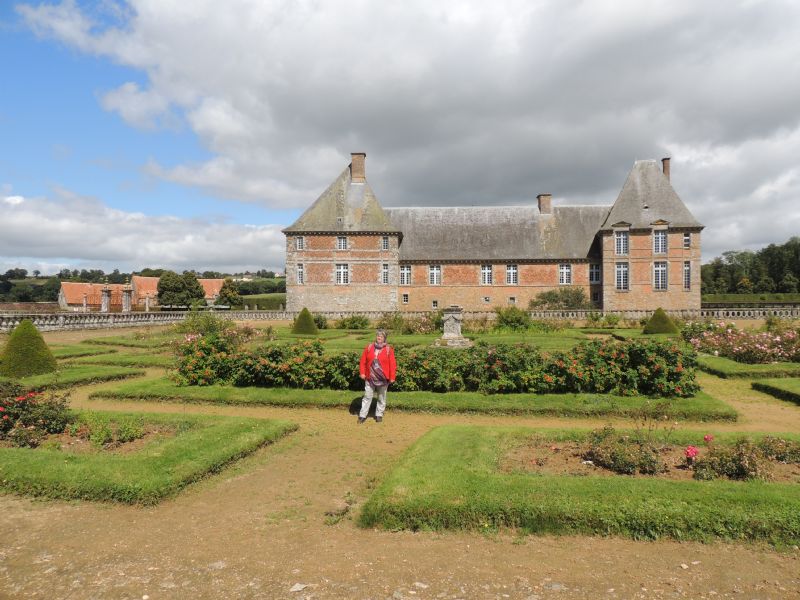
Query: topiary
[
  {"x": 26, "y": 353},
  {"x": 304, "y": 323},
  {"x": 660, "y": 323}
]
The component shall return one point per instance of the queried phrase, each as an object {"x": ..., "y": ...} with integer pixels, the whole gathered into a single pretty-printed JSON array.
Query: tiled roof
[
  {"x": 211, "y": 287},
  {"x": 74, "y": 293},
  {"x": 144, "y": 287}
]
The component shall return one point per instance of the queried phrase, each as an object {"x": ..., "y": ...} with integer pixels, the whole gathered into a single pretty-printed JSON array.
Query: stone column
[
  {"x": 105, "y": 299},
  {"x": 127, "y": 292},
  {"x": 85, "y": 303},
  {"x": 147, "y": 304}
]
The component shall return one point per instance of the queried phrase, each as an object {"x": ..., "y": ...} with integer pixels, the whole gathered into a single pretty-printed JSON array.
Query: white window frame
[
  {"x": 342, "y": 274},
  {"x": 622, "y": 243},
  {"x": 687, "y": 275},
  {"x": 687, "y": 241},
  {"x": 385, "y": 242},
  {"x": 595, "y": 273},
  {"x": 660, "y": 241},
  {"x": 300, "y": 243},
  {"x": 512, "y": 274},
  {"x": 660, "y": 268},
  {"x": 301, "y": 274},
  {"x": 405, "y": 274},
  {"x": 385, "y": 273},
  {"x": 622, "y": 277},
  {"x": 405, "y": 298},
  {"x": 341, "y": 242},
  {"x": 565, "y": 274},
  {"x": 434, "y": 274},
  {"x": 486, "y": 274}
]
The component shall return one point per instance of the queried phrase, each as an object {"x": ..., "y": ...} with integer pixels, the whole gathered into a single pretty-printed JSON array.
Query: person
[{"x": 378, "y": 369}]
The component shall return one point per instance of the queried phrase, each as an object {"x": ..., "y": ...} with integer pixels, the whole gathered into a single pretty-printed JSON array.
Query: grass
[
  {"x": 203, "y": 445},
  {"x": 449, "y": 479},
  {"x": 630, "y": 334},
  {"x": 727, "y": 368},
  {"x": 126, "y": 360},
  {"x": 150, "y": 342},
  {"x": 785, "y": 389},
  {"x": 77, "y": 350},
  {"x": 700, "y": 408},
  {"x": 70, "y": 375}
]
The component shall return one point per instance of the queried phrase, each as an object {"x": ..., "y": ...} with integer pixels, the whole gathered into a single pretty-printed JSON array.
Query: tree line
[{"x": 775, "y": 268}]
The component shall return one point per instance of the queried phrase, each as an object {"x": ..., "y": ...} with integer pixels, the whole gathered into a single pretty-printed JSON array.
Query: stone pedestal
[
  {"x": 147, "y": 304},
  {"x": 452, "y": 338},
  {"x": 105, "y": 299},
  {"x": 127, "y": 293}
]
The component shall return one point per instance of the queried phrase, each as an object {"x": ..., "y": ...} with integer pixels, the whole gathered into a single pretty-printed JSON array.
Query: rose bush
[{"x": 724, "y": 339}]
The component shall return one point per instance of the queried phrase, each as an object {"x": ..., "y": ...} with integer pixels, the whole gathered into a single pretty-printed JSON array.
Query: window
[
  {"x": 301, "y": 274},
  {"x": 405, "y": 298},
  {"x": 512, "y": 299},
  {"x": 435, "y": 274},
  {"x": 687, "y": 240},
  {"x": 384, "y": 273},
  {"x": 435, "y": 304},
  {"x": 621, "y": 243},
  {"x": 565, "y": 274},
  {"x": 486, "y": 299},
  {"x": 405, "y": 274},
  {"x": 341, "y": 243},
  {"x": 385, "y": 242},
  {"x": 660, "y": 242},
  {"x": 687, "y": 275},
  {"x": 595, "y": 297},
  {"x": 622, "y": 281},
  {"x": 595, "y": 274},
  {"x": 342, "y": 274},
  {"x": 512, "y": 275},
  {"x": 660, "y": 276},
  {"x": 486, "y": 274},
  {"x": 300, "y": 243}
]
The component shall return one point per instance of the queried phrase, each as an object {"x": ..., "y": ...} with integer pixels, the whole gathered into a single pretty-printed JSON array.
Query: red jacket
[{"x": 385, "y": 358}]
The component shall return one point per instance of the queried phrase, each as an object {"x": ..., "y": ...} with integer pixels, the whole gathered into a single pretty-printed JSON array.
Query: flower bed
[
  {"x": 724, "y": 339},
  {"x": 636, "y": 367}
]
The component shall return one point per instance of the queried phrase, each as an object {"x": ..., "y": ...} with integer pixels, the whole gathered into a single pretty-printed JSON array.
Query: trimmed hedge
[
  {"x": 304, "y": 324},
  {"x": 26, "y": 353},
  {"x": 730, "y": 369},
  {"x": 660, "y": 323},
  {"x": 783, "y": 389}
]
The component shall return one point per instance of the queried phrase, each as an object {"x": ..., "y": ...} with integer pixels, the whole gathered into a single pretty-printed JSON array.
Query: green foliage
[
  {"x": 179, "y": 290},
  {"x": 25, "y": 418},
  {"x": 204, "y": 324},
  {"x": 789, "y": 284},
  {"x": 26, "y": 353},
  {"x": 660, "y": 323},
  {"x": 321, "y": 321},
  {"x": 730, "y": 369},
  {"x": 228, "y": 294},
  {"x": 622, "y": 453},
  {"x": 265, "y": 301},
  {"x": 353, "y": 322},
  {"x": 513, "y": 318},
  {"x": 745, "y": 460},
  {"x": 611, "y": 320},
  {"x": 304, "y": 323},
  {"x": 779, "y": 449},
  {"x": 563, "y": 298}
]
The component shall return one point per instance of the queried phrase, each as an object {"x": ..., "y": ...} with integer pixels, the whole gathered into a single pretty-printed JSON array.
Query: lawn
[
  {"x": 700, "y": 408},
  {"x": 149, "y": 342},
  {"x": 727, "y": 368},
  {"x": 785, "y": 389},
  {"x": 449, "y": 479},
  {"x": 126, "y": 359},
  {"x": 73, "y": 374},
  {"x": 77, "y": 350},
  {"x": 203, "y": 445}
]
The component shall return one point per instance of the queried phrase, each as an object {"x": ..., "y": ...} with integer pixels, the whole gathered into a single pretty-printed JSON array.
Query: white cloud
[
  {"x": 464, "y": 101},
  {"x": 70, "y": 230}
]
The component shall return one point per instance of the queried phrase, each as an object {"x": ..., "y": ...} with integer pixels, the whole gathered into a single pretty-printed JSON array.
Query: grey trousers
[{"x": 366, "y": 402}]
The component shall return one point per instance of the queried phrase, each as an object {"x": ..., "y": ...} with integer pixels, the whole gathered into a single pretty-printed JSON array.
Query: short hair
[{"x": 383, "y": 333}]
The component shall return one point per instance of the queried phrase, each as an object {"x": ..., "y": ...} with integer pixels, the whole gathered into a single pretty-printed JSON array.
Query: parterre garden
[{"x": 648, "y": 476}]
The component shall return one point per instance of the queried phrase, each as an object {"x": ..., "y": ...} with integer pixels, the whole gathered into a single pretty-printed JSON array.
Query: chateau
[{"x": 348, "y": 253}]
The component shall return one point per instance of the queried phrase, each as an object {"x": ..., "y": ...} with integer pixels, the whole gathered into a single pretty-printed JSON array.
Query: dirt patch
[
  {"x": 566, "y": 458},
  {"x": 80, "y": 444}
]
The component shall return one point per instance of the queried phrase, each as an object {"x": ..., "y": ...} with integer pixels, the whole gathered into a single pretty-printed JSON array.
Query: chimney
[
  {"x": 357, "y": 171},
  {"x": 665, "y": 167},
  {"x": 545, "y": 203}
]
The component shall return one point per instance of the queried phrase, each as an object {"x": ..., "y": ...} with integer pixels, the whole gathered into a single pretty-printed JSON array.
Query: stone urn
[{"x": 452, "y": 338}]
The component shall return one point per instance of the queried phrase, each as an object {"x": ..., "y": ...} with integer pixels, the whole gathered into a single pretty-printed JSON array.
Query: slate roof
[
  {"x": 345, "y": 206},
  {"x": 496, "y": 232},
  {"x": 647, "y": 197}
]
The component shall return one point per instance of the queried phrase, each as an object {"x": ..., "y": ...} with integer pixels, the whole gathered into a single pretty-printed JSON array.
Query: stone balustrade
[{"x": 73, "y": 320}]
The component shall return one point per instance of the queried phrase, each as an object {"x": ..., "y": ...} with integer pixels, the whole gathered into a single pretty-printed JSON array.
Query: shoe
[
  {"x": 361, "y": 420},
  {"x": 378, "y": 419}
]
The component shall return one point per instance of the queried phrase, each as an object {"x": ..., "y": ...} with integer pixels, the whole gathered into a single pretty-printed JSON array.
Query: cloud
[
  {"x": 464, "y": 101},
  {"x": 70, "y": 230}
]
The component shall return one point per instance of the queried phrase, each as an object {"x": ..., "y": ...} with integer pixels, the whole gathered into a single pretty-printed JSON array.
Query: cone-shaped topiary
[
  {"x": 304, "y": 323},
  {"x": 26, "y": 353},
  {"x": 660, "y": 323}
]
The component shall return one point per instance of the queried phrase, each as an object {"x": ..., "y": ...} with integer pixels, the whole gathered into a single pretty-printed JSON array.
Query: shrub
[
  {"x": 228, "y": 294},
  {"x": 321, "y": 321},
  {"x": 622, "y": 454},
  {"x": 353, "y": 322},
  {"x": 660, "y": 323},
  {"x": 513, "y": 318},
  {"x": 26, "y": 436},
  {"x": 203, "y": 323},
  {"x": 304, "y": 323},
  {"x": 723, "y": 339},
  {"x": 26, "y": 353},
  {"x": 205, "y": 360},
  {"x": 480, "y": 324},
  {"x": 129, "y": 429},
  {"x": 26, "y": 418},
  {"x": 594, "y": 319},
  {"x": 742, "y": 461},
  {"x": 563, "y": 298},
  {"x": 392, "y": 322},
  {"x": 785, "y": 451},
  {"x": 611, "y": 320}
]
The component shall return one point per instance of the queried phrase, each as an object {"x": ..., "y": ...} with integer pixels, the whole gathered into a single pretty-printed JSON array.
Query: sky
[{"x": 167, "y": 133}]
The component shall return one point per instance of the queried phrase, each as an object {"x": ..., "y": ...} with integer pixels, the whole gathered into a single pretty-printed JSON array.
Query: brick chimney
[
  {"x": 665, "y": 167},
  {"x": 545, "y": 203},
  {"x": 357, "y": 171}
]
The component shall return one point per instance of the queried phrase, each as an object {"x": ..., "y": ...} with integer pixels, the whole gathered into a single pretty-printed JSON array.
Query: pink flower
[
  {"x": 691, "y": 452},
  {"x": 708, "y": 438}
]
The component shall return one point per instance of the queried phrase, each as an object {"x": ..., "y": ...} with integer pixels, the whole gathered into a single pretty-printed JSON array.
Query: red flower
[
  {"x": 708, "y": 438},
  {"x": 691, "y": 452}
]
